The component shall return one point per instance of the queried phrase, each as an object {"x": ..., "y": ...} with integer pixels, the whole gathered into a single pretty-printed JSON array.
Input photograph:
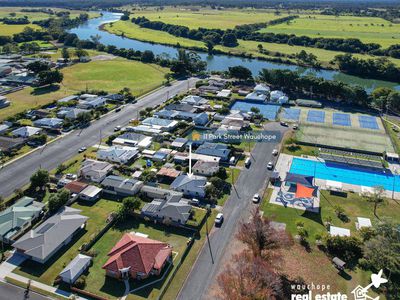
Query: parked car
[
  {"x": 83, "y": 149},
  {"x": 295, "y": 126},
  {"x": 270, "y": 165},
  {"x": 117, "y": 128},
  {"x": 275, "y": 152},
  {"x": 219, "y": 219},
  {"x": 256, "y": 198},
  {"x": 284, "y": 124},
  {"x": 247, "y": 162},
  {"x": 195, "y": 202},
  {"x": 71, "y": 176}
]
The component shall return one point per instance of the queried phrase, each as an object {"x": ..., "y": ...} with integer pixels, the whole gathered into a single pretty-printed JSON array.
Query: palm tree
[{"x": 376, "y": 197}]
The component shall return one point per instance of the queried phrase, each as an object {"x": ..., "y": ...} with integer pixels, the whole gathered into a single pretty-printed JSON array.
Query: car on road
[
  {"x": 83, "y": 149},
  {"x": 118, "y": 109},
  {"x": 270, "y": 165},
  {"x": 247, "y": 162},
  {"x": 295, "y": 126},
  {"x": 219, "y": 219},
  {"x": 284, "y": 124},
  {"x": 275, "y": 152},
  {"x": 256, "y": 198},
  {"x": 117, "y": 128}
]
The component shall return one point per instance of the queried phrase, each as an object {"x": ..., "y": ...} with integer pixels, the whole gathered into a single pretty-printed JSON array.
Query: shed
[
  {"x": 363, "y": 222},
  {"x": 339, "y": 231},
  {"x": 340, "y": 264},
  {"x": 75, "y": 268}
]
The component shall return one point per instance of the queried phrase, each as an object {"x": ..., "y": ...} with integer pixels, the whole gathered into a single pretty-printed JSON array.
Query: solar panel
[
  {"x": 316, "y": 116},
  {"x": 291, "y": 114},
  {"x": 368, "y": 122},
  {"x": 341, "y": 119}
]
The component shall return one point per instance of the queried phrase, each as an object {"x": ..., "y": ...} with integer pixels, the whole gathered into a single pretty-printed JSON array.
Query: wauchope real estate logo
[{"x": 321, "y": 292}]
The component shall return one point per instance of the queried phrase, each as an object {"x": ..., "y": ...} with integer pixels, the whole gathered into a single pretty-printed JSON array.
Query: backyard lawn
[
  {"x": 110, "y": 75},
  {"x": 99, "y": 284},
  {"x": 46, "y": 273}
]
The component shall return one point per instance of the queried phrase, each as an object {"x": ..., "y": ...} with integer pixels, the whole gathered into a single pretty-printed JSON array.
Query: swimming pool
[
  {"x": 269, "y": 111},
  {"x": 345, "y": 174}
]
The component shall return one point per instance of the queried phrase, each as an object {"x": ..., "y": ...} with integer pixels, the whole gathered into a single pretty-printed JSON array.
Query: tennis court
[
  {"x": 368, "y": 122},
  {"x": 291, "y": 114},
  {"x": 341, "y": 119},
  {"x": 316, "y": 116}
]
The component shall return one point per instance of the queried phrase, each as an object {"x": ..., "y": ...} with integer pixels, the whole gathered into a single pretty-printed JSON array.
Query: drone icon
[{"x": 360, "y": 293}]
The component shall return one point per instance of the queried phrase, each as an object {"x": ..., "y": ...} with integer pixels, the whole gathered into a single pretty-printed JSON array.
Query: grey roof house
[
  {"x": 26, "y": 131},
  {"x": 51, "y": 123},
  {"x": 214, "y": 149},
  {"x": 206, "y": 168},
  {"x": 95, "y": 170},
  {"x": 16, "y": 218},
  {"x": 170, "y": 208},
  {"x": 44, "y": 241},
  {"x": 192, "y": 186},
  {"x": 75, "y": 268},
  {"x": 117, "y": 185}
]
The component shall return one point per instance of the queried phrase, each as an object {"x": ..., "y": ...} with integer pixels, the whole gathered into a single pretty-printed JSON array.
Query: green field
[
  {"x": 208, "y": 18},
  {"x": 13, "y": 29},
  {"x": 133, "y": 31},
  {"x": 367, "y": 29},
  {"x": 108, "y": 75}
]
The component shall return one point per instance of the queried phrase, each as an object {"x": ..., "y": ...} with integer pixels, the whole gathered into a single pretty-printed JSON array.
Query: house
[
  {"x": 224, "y": 93},
  {"x": 214, "y": 149},
  {"x": 137, "y": 257},
  {"x": 121, "y": 186},
  {"x": 179, "y": 143},
  {"x": 67, "y": 99},
  {"x": 206, "y": 168},
  {"x": 194, "y": 100},
  {"x": 171, "y": 209},
  {"x": 4, "y": 102},
  {"x": 4, "y": 127},
  {"x": 157, "y": 193},
  {"x": 71, "y": 113},
  {"x": 183, "y": 158},
  {"x": 134, "y": 140},
  {"x": 235, "y": 121},
  {"x": 94, "y": 170},
  {"x": 168, "y": 173},
  {"x": 92, "y": 103},
  {"x": 26, "y": 131},
  {"x": 191, "y": 186},
  {"x": 115, "y": 98},
  {"x": 8, "y": 144},
  {"x": 257, "y": 97},
  {"x": 90, "y": 193},
  {"x": 162, "y": 124},
  {"x": 75, "y": 187},
  {"x": 75, "y": 268},
  {"x": 48, "y": 123},
  {"x": 162, "y": 155},
  {"x": 118, "y": 154},
  {"x": 44, "y": 241},
  {"x": 261, "y": 88},
  {"x": 181, "y": 107},
  {"x": 278, "y": 97},
  {"x": 18, "y": 217},
  {"x": 199, "y": 119}
]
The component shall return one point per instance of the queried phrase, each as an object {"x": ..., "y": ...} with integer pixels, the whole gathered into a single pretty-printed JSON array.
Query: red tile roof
[
  {"x": 139, "y": 253},
  {"x": 75, "y": 186}
]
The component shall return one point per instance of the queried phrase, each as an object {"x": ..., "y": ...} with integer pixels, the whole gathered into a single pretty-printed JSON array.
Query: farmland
[
  {"x": 111, "y": 75},
  {"x": 208, "y": 18},
  {"x": 367, "y": 29}
]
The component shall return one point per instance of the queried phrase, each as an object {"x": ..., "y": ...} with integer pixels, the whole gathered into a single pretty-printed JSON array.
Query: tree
[
  {"x": 376, "y": 197},
  {"x": 240, "y": 72},
  {"x": 129, "y": 204},
  {"x": 58, "y": 200},
  {"x": 81, "y": 53},
  {"x": 84, "y": 117},
  {"x": 229, "y": 39},
  {"x": 347, "y": 248},
  {"x": 261, "y": 236},
  {"x": 65, "y": 53},
  {"x": 50, "y": 77},
  {"x": 249, "y": 277},
  {"x": 38, "y": 66},
  {"x": 147, "y": 56},
  {"x": 39, "y": 179},
  {"x": 187, "y": 62},
  {"x": 40, "y": 139},
  {"x": 125, "y": 16}
]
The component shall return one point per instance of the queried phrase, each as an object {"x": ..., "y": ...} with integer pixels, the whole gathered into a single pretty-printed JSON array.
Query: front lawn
[
  {"x": 46, "y": 273},
  {"x": 98, "y": 283}
]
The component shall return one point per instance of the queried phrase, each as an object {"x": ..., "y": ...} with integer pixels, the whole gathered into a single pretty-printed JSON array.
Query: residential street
[
  {"x": 17, "y": 174},
  {"x": 12, "y": 292},
  {"x": 208, "y": 265}
]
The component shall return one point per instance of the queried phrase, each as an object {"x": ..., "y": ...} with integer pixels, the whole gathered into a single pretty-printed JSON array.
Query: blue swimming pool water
[
  {"x": 269, "y": 111},
  {"x": 345, "y": 174}
]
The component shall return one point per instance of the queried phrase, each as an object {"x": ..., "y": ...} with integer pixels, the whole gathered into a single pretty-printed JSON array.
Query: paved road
[
  {"x": 17, "y": 174},
  {"x": 12, "y": 292},
  {"x": 205, "y": 270}
]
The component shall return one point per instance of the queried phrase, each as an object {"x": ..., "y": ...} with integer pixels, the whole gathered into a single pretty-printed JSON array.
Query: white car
[
  {"x": 295, "y": 126},
  {"x": 83, "y": 149},
  {"x": 219, "y": 219},
  {"x": 256, "y": 198},
  {"x": 117, "y": 128},
  {"x": 71, "y": 176},
  {"x": 275, "y": 152},
  {"x": 270, "y": 165}
]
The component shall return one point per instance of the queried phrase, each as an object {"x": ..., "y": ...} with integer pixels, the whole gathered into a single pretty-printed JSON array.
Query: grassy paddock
[{"x": 112, "y": 76}]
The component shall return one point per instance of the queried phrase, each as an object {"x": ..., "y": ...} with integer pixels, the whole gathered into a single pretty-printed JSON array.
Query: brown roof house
[{"x": 137, "y": 257}]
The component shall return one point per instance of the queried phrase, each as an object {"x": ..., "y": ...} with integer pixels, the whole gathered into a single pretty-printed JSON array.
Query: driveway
[
  {"x": 253, "y": 180},
  {"x": 17, "y": 174}
]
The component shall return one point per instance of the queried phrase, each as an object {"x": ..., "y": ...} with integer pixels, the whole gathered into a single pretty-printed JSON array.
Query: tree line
[{"x": 15, "y": 21}]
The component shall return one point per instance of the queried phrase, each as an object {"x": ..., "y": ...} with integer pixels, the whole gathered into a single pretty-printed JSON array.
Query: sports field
[
  {"x": 111, "y": 76},
  {"x": 339, "y": 129},
  {"x": 367, "y": 29},
  {"x": 208, "y": 18}
]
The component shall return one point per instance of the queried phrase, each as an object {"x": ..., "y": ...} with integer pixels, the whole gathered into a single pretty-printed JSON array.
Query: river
[{"x": 218, "y": 62}]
